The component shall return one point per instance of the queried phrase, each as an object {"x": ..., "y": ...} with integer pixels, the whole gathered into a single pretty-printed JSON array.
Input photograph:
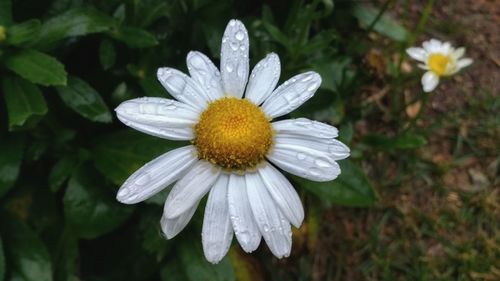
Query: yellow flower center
[
  {"x": 233, "y": 133},
  {"x": 438, "y": 63}
]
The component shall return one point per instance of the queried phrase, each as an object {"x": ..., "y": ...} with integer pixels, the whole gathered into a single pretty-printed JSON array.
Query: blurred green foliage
[{"x": 64, "y": 64}]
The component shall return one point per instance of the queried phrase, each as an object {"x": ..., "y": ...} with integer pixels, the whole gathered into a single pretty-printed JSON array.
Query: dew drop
[
  {"x": 301, "y": 156},
  {"x": 313, "y": 86},
  {"x": 123, "y": 192},
  {"x": 320, "y": 162},
  {"x": 229, "y": 67},
  {"x": 239, "y": 35},
  {"x": 234, "y": 45},
  {"x": 314, "y": 171}
]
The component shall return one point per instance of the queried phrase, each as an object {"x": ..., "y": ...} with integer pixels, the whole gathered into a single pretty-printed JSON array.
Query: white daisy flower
[
  {"x": 439, "y": 59},
  {"x": 233, "y": 139}
]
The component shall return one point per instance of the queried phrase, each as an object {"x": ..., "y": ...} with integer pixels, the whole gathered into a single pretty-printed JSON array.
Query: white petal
[
  {"x": 234, "y": 63},
  {"x": 217, "y": 232},
  {"x": 172, "y": 227},
  {"x": 417, "y": 53},
  {"x": 292, "y": 94},
  {"x": 305, "y": 127},
  {"x": 244, "y": 225},
  {"x": 446, "y": 48},
  {"x": 156, "y": 175},
  {"x": 429, "y": 81},
  {"x": 283, "y": 193},
  {"x": 432, "y": 46},
  {"x": 183, "y": 87},
  {"x": 314, "y": 160},
  {"x": 458, "y": 53},
  {"x": 190, "y": 189},
  {"x": 423, "y": 66},
  {"x": 274, "y": 227},
  {"x": 203, "y": 71},
  {"x": 328, "y": 147},
  {"x": 263, "y": 80},
  {"x": 464, "y": 63},
  {"x": 159, "y": 117}
]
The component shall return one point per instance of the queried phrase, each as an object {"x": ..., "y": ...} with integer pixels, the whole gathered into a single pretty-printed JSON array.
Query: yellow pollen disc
[
  {"x": 438, "y": 63},
  {"x": 233, "y": 133}
]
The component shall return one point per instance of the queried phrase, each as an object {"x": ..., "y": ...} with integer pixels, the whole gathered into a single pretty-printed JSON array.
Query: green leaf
[
  {"x": 386, "y": 25},
  {"x": 334, "y": 73},
  {"x": 172, "y": 271},
  {"x": 22, "y": 33},
  {"x": 197, "y": 268},
  {"x": 5, "y": 12},
  {"x": 277, "y": 35},
  {"x": 75, "y": 22},
  {"x": 82, "y": 98},
  {"x": 66, "y": 257},
  {"x": 2, "y": 261},
  {"x": 403, "y": 141},
  {"x": 37, "y": 67},
  {"x": 119, "y": 154},
  {"x": 26, "y": 253},
  {"x": 61, "y": 171},
  {"x": 153, "y": 88},
  {"x": 24, "y": 101},
  {"x": 90, "y": 206},
  {"x": 11, "y": 151},
  {"x": 107, "y": 54},
  {"x": 351, "y": 188},
  {"x": 135, "y": 37}
]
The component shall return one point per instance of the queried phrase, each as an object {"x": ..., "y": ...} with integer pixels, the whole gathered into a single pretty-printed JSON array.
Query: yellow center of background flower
[
  {"x": 438, "y": 63},
  {"x": 233, "y": 133}
]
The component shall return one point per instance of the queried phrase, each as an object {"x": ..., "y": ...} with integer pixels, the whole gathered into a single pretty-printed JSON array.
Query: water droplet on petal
[
  {"x": 301, "y": 156},
  {"x": 239, "y": 35},
  {"x": 234, "y": 45}
]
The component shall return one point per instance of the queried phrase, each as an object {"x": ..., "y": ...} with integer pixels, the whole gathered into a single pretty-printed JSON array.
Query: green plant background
[{"x": 64, "y": 66}]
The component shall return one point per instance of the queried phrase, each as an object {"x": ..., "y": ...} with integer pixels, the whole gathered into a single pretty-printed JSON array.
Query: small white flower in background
[
  {"x": 233, "y": 139},
  {"x": 439, "y": 59}
]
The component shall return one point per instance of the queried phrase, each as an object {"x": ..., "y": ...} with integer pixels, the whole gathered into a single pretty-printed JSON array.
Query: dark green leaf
[
  {"x": 386, "y": 25},
  {"x": 66, "y": 257},
  {"x": 197, "y": 268},
  {"x": 351, "y": 188},
  {"x": 107, "y": 54},
  {"x": 172, "y": 271},
  {"x": 135, "y": 37},
  {"x": 22, "y": 33},
  {"x": 82, "y": 98},
  {"x": 153, "y": 88},
  {"x": 5, "y": 12},
  {"x": 24, "y": 101},
  {"x": 75, "y": 22},
  {"x": 118, "y": 155},
  {"x": 61, "y": 171},
  {"x": 26, "y": 253},
  {"x": 334, "y": 73},
  {"x": 90, "y": 206},
  {"x": 11, "y": 151},
  {"x": 120, "y": 13},
  {"x": 277, "y": 35},
  {"x": 345, "y": 133},
  {"x": 2, "y": 261},
  {"x": 37, "y": 67},
  {"x": 404, "y": 141}
]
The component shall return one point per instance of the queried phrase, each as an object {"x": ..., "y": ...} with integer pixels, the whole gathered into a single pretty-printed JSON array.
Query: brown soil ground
[{"x": 418, "y": 230}]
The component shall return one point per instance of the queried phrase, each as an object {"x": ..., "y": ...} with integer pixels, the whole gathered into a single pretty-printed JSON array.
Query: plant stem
[{"x": 379, "y": 15}]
